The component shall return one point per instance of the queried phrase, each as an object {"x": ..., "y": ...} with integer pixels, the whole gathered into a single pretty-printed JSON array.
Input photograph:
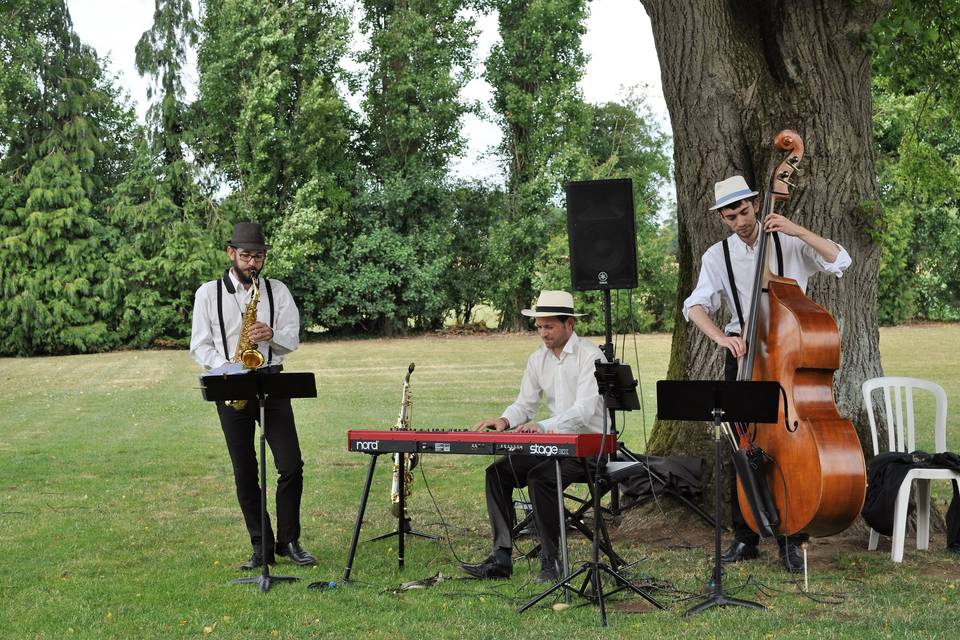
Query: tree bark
[{"x": 734, "y": 73}]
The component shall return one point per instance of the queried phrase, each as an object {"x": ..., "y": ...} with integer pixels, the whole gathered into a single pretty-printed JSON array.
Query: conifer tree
[
  {"x": 169, "y": 237},
  {"x": 62, "y": 156},
  {"x": 161, "y": 54},
  {"x": 271, "y": 114}
]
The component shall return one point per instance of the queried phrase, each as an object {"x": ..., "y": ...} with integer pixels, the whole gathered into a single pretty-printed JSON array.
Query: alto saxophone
[
  {"x": 403, "y": 462},
  {"x": 247, "y": 353}
]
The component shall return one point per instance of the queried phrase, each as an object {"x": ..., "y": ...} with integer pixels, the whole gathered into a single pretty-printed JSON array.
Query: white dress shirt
[
  {"x": 566, "y": 383},
  {"x": 800, "y": 261},
  {"x": 206, "y": 342}
]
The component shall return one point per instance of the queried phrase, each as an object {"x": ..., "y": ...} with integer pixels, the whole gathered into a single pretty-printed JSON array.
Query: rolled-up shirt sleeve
[{"x": 837, "y": 267}]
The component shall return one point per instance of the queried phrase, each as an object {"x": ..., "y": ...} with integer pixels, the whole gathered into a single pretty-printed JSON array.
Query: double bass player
[{"x": 726, "y": 277}]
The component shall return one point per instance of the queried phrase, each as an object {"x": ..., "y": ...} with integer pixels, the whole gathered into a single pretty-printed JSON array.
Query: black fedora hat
[{"x": 248, "y": 235}]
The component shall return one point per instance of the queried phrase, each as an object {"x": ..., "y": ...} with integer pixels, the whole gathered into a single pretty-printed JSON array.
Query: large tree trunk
[{"x": 735, "y": 72}]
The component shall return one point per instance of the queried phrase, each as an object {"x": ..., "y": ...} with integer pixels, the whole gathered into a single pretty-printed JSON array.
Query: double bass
[{"x": 815, "y": 471}]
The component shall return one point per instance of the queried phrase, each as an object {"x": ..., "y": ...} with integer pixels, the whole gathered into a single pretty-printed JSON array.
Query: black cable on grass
[
  {"x": 436, "y": 506},
  {"x": 820, "y": 597},
  {"x": 443, "y": 521}
]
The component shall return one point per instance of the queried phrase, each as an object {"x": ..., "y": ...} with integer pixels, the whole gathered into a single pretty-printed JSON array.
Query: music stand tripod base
[{"x": 264, "y": 580}]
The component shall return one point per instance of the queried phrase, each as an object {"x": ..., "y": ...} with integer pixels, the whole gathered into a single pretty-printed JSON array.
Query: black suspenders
[
  {"x": 270, "y": 300},
  {"x": 733, "y": 282},
  {"x": 223, "y": 328},
  {"x": 226, "y": 282}
]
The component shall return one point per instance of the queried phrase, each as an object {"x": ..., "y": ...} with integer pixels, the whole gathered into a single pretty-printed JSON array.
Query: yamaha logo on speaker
[{"x": 602, "y": 234}]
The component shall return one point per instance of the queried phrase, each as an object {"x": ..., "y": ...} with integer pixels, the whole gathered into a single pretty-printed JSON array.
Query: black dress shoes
[
  {"x": 256, "y": 560},
  {"x": 739, "y": 551},
  {"x": 489, "y": 569},
  {"x": 296, "y": 553},
  {"x": 549, "y": 571},
  {"x": 790, "y": 558}
]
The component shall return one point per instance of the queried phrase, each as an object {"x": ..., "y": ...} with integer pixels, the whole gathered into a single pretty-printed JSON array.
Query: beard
[
  {"x": 749, "y": 234},
  {"x": 244, "y": 276}
]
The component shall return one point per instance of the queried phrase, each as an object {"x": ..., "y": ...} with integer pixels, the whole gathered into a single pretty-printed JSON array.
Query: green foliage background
[
  {"x": 916, "y": 99},
  {"x": 341, "y": 141}
]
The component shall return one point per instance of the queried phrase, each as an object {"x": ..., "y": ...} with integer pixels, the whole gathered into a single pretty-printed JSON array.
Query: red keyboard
[{"x": 548, "y": 445}]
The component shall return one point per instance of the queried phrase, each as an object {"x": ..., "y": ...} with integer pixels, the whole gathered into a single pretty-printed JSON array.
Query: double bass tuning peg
[{"x": 784, "y": 177}]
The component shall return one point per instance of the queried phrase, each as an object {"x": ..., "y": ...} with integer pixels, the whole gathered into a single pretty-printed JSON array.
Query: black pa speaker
[{"x": 602, "y": 235}]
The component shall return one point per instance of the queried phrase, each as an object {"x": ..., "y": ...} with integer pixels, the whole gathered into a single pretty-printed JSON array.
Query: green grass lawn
[{"x": 119, "y": 520}]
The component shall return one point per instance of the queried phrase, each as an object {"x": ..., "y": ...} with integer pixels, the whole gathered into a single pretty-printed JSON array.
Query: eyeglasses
[{"x": 251, "y": 257}]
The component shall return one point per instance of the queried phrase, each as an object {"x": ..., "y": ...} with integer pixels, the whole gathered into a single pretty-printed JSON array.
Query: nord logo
[
  {"x": 544, "y": 450},
  {"x": 366, "y": 445}
]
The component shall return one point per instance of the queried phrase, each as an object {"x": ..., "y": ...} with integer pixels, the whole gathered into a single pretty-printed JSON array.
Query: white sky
[{"x": 618, "y": 41}]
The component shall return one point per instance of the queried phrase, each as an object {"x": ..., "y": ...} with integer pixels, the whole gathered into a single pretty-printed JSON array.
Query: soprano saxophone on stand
[
  {"x": 403, "y": 462},
  {"x": 247, "y": 353}
]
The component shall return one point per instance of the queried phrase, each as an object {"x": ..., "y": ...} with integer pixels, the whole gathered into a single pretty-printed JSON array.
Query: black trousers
[
  {"x": 540, "y": 476},
  {"x": 239, "y": 429},
  {"x": 741, "y": 531}
]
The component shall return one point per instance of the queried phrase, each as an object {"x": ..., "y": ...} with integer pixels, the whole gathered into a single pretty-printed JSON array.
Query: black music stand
[
  {"x": 255, "y": 386},
  {"x": 718, "y": 401},
  {"x": 618, "y": 389}
]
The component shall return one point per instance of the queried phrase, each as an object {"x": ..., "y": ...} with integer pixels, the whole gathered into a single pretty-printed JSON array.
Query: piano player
[{"x": 561, "y": 372}]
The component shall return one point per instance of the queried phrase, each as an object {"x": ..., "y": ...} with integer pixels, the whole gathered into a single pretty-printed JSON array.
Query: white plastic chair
[{"x": 901, "y": 436}]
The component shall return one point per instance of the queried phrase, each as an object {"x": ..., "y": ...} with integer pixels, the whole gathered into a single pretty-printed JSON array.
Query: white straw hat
[
  {"x": 552, "y": 303},
  {"x": 731, "y": 190}
]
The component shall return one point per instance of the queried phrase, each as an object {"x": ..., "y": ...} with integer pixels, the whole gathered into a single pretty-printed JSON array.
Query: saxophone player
[{"x": 222, "y": 310}]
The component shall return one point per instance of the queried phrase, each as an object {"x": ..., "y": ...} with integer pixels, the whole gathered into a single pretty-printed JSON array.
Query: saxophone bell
[{"x": 250, "y": 357}]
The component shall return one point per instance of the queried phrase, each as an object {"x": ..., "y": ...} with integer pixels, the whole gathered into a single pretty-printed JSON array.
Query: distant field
[{"x": 119, "y": 519}]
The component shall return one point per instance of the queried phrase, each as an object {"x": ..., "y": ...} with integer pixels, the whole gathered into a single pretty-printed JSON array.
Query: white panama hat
[
  {"x": 552, "y": 303},
  {"x": 731, "y": 190}
]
